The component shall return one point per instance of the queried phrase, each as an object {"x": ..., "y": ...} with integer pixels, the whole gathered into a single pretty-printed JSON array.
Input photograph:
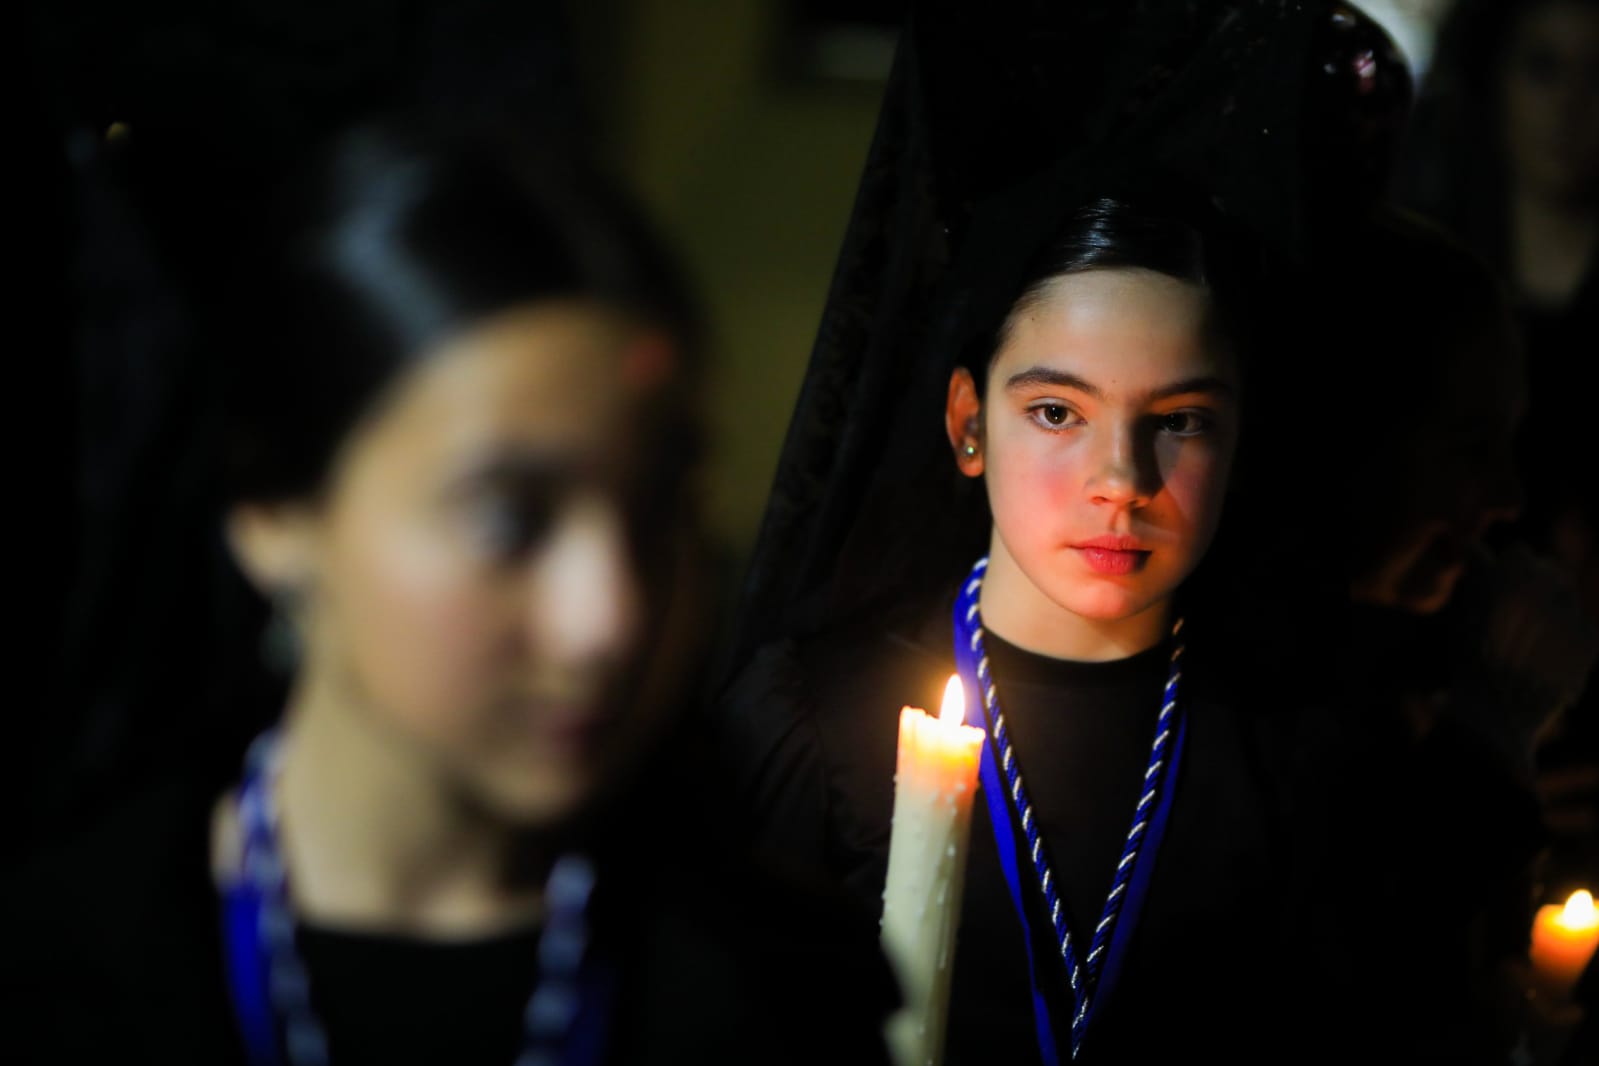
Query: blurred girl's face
[
  {"x": 475, "y": 596},
  {"x": 1108, "y": 435},
  {"x": 1551, "y": 99}
]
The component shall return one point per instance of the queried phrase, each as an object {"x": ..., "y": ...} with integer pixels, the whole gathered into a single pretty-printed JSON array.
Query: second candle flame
[
  {"x": 953, "y": 711},
  {"x": 1578, "y": 913}
]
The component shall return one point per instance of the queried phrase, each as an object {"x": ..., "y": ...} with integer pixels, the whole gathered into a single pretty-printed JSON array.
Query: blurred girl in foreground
[{"x": 456, "y": 464}]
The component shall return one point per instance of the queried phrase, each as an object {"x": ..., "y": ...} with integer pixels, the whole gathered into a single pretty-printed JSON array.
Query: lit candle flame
[
  {"x": 1579, "y": 912},
  {"x": 954, "y": 713}
]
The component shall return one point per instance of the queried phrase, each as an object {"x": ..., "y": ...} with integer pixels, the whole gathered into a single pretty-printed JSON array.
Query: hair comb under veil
[{"x": 996, "y": 122}]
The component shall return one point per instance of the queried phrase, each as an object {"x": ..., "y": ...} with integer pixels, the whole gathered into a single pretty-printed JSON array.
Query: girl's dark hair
[
  {"x": 391, "y": 241},
  {"x": 1109, "y": 233}
]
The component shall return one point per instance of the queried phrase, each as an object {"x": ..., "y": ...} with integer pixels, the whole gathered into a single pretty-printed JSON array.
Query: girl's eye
[
  {"x": 1185, "y": 423},
  {"x": 1054, "y": 415},
  {"x": 506, "y": 527}
]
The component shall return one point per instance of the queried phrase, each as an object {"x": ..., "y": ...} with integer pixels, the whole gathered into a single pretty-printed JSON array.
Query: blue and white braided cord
[
  {"x": 557, "y": 996},
  {"x": 1146, "y": 805},
  {"x": 289, "y": 987},
  {"x": 1083, "y": 979}
]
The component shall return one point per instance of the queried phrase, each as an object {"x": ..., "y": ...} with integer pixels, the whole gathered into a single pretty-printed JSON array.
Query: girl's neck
[
  {"x": 1552, "y": 245},
  {"x": 1020, "y": 614},
  {"x": 375, "y": 838}
]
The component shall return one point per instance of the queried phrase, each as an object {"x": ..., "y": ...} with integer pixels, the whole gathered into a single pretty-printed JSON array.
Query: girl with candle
[
  {"x": 1103, "y": 425},
  {"x": 456, "y": 457},
  {"x": 1085, "y": 322}
]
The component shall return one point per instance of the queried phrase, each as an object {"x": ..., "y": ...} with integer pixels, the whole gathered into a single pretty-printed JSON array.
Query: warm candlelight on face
[
  {"x": 934, "y": 784},
  {"x": 1563, "y": 940}
]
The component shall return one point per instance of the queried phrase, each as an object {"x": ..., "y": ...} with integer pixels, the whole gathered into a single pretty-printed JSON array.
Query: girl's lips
[
  {"x": 1112, "y": 560},
  {"x": 1120, "y": 542}
]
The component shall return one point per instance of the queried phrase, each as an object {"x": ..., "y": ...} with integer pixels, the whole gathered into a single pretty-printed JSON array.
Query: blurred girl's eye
[
  {"x": 1186, "y": 423},
  {"x": 506, "y": 525}
]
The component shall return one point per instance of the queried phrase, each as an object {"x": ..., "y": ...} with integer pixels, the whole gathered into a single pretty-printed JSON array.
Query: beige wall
[{"x": 751, "y": 175}]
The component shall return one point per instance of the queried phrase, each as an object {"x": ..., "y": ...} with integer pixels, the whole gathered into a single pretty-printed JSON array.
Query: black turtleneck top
[{"x": 810, "y": 728}]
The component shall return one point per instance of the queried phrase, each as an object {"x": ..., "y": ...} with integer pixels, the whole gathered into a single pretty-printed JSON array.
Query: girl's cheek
[
  {"x": 423, "y": 627},
  {"x": 1044, "y": 477},
  {"x": 1198, "y": 484}
]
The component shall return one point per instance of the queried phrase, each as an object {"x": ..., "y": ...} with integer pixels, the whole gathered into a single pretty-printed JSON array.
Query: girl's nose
[
  {"x": 586, "y": 595},
  {"x": 1116, "y": 479}
]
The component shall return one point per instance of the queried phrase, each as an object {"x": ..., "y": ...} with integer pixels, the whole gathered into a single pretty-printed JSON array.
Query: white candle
[{"x": 934, "y": 786}]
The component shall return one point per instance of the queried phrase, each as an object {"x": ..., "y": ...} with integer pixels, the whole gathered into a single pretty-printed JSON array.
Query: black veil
[{"x": 997, "y": 121}]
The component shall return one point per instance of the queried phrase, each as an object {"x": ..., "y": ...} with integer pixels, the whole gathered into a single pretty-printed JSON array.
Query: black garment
[
  {"x": 113, "y": 954},
  {"x": 812, "y": 728},
  {"x": 1447, "y": 836},
  {"x": 1561, "y": 518},
  {"x": 397, "y": 999},
  {"x": 1561, "y": 372},
  {"x": 1092, "y": 725}
]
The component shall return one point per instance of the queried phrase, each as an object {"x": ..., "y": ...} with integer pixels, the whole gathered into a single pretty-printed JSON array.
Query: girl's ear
[
  {"x": 275, "y": 547},
  {"x": 963, "y": 420}
]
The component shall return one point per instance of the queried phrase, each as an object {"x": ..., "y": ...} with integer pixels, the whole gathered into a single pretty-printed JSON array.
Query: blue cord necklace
[
  {"x": 565, "y": 1019},
  {"x": 1010, "y": 809}
]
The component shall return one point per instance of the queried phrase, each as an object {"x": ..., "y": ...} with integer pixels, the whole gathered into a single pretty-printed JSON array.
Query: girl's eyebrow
[
  {"x": 1209, "y": 383},
  {"x": 1044, "y": 375},
  {"x": 520, "y": 470}
]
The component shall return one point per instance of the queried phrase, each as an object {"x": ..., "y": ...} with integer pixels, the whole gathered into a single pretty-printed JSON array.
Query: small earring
[
  {"x": 281, "y": 647},
  {"x": 970, "y": 449},
  {"x": 280, "y": 643}
]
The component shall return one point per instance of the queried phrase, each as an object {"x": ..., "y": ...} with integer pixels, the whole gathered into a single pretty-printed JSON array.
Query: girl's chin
[
  {"x": 1100, "y": 598},
  {"x": 536, "y": 801},
  {"x": 1107, "y": 604}
]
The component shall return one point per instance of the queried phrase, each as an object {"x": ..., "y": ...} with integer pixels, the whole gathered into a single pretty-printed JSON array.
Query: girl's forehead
[
  {"x": 1116, "y": 329},
  {"x": 550, "y": 356},
  {"x": 541, "y": 379}
]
